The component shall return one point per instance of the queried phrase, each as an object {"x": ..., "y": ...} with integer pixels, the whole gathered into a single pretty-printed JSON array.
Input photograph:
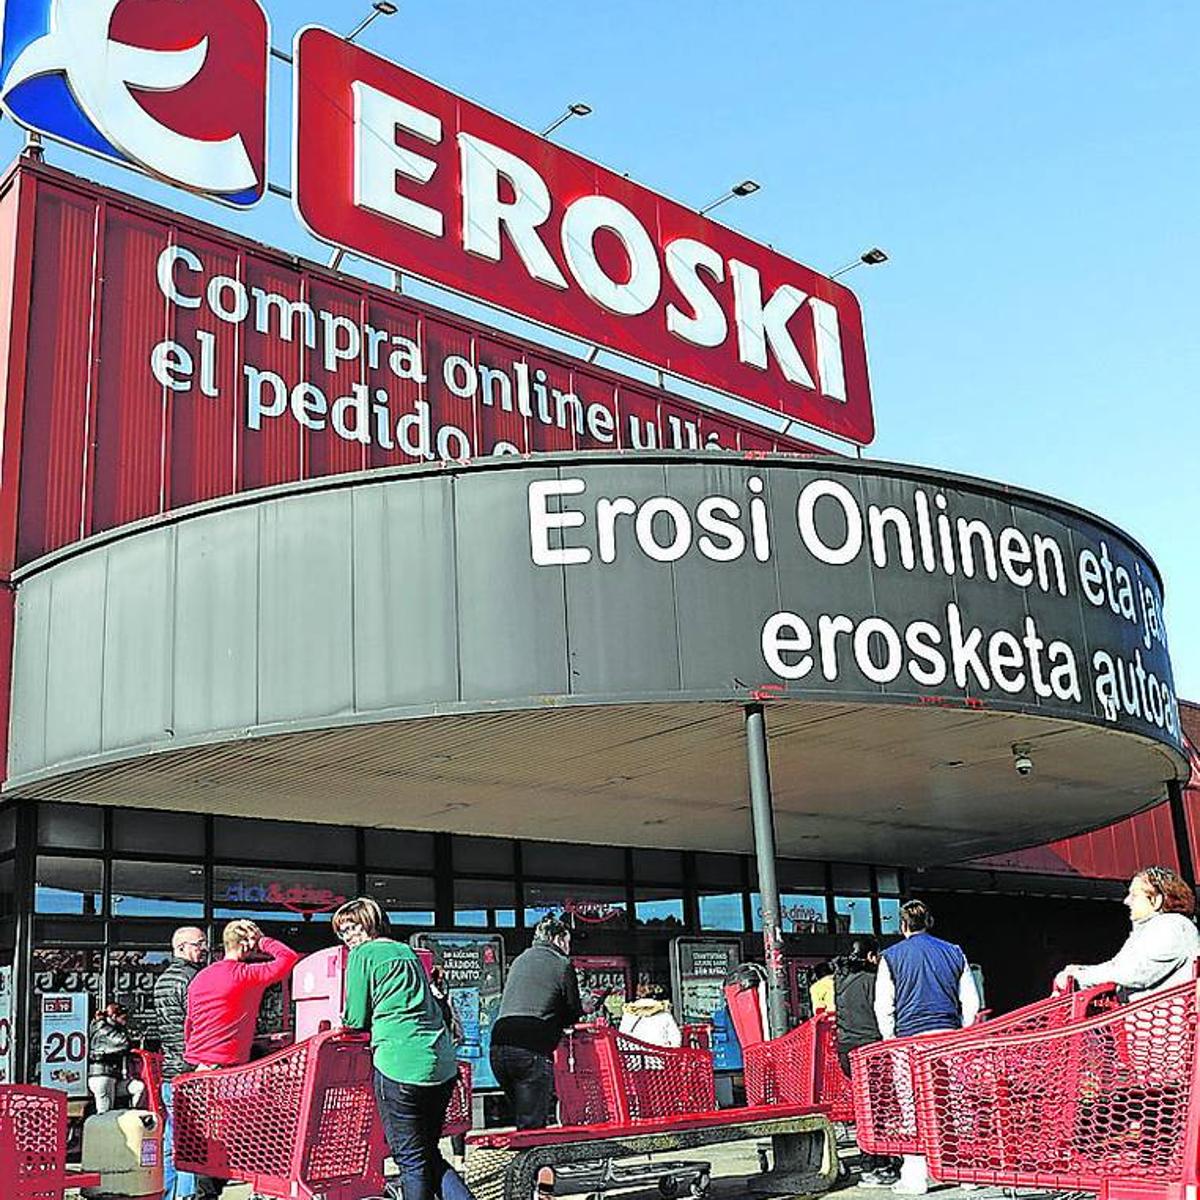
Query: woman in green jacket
[{"x": 388, "y": 994}]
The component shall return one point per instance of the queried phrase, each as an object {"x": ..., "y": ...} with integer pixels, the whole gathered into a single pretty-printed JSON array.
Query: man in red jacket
[{"x": 223, "y": 1000}]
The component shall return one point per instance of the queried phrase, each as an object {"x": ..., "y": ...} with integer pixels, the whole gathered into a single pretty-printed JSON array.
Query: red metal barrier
[
  {"x": 33, "y": 1145},
  {"x": 1109, "y": 1105},
  {"x": 883, "y": 1090},
  {"x": 604, "y": 1077},
  {"x": 298, "y": 1124}
]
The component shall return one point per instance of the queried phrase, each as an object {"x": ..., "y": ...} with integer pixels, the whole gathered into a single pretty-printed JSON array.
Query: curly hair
[{"x": 1177, "y": 897}]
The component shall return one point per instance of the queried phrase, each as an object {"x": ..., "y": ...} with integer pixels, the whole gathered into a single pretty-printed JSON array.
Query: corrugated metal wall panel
[{"x": 56, "y": 435}]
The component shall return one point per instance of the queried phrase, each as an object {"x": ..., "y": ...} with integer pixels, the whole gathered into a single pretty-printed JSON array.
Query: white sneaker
[{"x": 903, "y": 1188}]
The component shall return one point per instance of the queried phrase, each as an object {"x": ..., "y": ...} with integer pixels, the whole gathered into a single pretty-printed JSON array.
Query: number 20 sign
[{"x": 63, "y": 1054}]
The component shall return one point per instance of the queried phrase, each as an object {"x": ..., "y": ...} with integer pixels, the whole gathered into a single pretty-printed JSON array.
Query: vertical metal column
[
  {"x": 764, "y": 856},
  {"x": 1179, "y": 824}
]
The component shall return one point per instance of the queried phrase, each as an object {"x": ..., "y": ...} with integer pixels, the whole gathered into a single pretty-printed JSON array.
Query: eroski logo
[{"x": 175, "y": 88}]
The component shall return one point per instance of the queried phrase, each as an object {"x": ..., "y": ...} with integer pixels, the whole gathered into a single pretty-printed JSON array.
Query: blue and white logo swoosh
[{"x": 64, "y": 76}]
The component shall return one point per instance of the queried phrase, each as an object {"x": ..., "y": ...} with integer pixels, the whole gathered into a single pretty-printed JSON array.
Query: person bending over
[{"x": 540, "y": 1000}]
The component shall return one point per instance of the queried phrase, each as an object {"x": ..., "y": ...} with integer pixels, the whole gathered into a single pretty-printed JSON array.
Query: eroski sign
[
  {"x": 402, "y": 171},
  {"x": 174, "y": 88}
]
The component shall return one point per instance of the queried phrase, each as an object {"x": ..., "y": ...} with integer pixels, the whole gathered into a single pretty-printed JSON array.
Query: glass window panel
[
  {"x": 722, "y": 910},
  {"x": 853, "y": 914},
  {"x": 8, "y": 888},
  {"x": 718, "y": 868},
  {"x": 70, "y": 826},
  {"x": 131, "y": 978},
  {"x": 69, "y": 885},
  {"x": 851, "y": 877},
  {"x": 800, "y": 875},
  {"x": 8, "y": 828},
  {"x": 888, "y": 880},
  {"x": 889, "y": 916},
  {"x": 144, "y": 831},
  {"x": 278, "y": 894},
  {"x": 581, "y": 904},
  {"x": 658, "y": 908},
  {"x": 800, "y": 912},
  {"x": 396, "y": 849},
  {"x": 572, "y": 862},
  {"x": 407, "y": 899},
  {"x": 141, "y": 889},
  {"x": 485, "y": 903},
  {"x": 486, "y": 856},
  {"x": 658, "y": 866},
  {"x": 283, "y": 841}
]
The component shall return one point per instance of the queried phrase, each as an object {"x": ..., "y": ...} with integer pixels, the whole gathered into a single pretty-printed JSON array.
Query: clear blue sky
[{"x": 1032, "y": 169}]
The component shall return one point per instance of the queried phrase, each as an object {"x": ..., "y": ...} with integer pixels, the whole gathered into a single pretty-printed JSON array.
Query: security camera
[{"x": 1022, "y": 763}]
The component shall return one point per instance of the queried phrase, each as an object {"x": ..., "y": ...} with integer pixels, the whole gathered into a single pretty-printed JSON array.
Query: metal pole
[
  {"x": 764, "y": 854},
  {"x": 1179, "y": 823}
]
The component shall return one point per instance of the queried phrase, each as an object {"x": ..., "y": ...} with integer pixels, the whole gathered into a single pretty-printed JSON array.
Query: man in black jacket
[
  {"x": 189, "y": 948},
  {"x": 540, "y": 1000}
]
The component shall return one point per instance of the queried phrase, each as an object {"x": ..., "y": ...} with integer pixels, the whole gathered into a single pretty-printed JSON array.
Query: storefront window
[
  {"x": 8, "y": 888},
  {"x": 889, "y": 916},
  {"x": 888, "y": 880},
  {"x": 802, "y": 912},
  {"x": 398, "y": 849},
  {"x": 850, "y": 877},
  {"x": 144, "y": 831},
  {"x": 482, "y": 856},
  {"x": 249, "y": 838},
  {"x": 722, "y": 910},
  {"x": 853, "y": 914},
  {"x": 278, "y": 895},
  {"x": 658, "y": 866},
  {"x": 131, "y": 978},
  {"x": 658, "y": 908},
  {"x": 484, "y": 904},
  {"x": 69, "y": 885},
  {"x": 407, "y": 899},
  {"x": 580, "y": 904},
  {"x": 8, "y": 829},
  {"x": 572, "y": 862},
  {"x": 141, "y": 889},
  {"x": 70, "y": 826}
]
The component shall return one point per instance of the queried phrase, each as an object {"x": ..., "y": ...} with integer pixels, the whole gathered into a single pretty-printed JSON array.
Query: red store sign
[{"x": 404, "y": 172}]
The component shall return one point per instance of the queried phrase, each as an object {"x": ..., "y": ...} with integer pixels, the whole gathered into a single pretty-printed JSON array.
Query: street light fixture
[
  {"x": 381, "y": 8},
  {"x": 578, "y": 109},
  {"x": 746, "y": 188},
  {"x": 869, "y": 258}
]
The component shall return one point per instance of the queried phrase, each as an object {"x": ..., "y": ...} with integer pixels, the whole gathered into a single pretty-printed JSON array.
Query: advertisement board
[
  {"x": 402, "y": 171},
  {"x": 7, "y": 1033},
  {"x": 474, "y": 968},
  {"x": 62, "y": 1056},
  {"x": 241, "y": 368},
  {"x": 699, "y": 967}
]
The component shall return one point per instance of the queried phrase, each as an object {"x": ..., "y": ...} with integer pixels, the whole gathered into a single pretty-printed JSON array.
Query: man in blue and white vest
[{"x": 923, "y": 985}]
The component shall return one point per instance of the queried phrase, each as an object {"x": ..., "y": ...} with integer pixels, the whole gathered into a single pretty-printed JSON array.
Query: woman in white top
[
  {"x": 648, "y": 1018},
  {"x": 1162, "y": 947}
]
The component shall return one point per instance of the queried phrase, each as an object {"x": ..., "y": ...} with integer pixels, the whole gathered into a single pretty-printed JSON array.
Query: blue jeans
[
  {"x": 176, "y": 1184},
  {"x": 412, "y": 1116}
]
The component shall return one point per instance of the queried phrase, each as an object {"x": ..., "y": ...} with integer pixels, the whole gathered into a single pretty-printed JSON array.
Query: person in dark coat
[
  {"x": 540, "y": 1001},
  {"x": 109, "y": 1043},
  {"x": 854, "y": 990},
  {"x": 189, "y": 951}
]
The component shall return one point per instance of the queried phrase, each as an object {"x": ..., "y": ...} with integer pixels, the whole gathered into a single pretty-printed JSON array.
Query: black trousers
[
  {"x": 527, "y": 1078},
  {"x": 870, "y": 1162}
]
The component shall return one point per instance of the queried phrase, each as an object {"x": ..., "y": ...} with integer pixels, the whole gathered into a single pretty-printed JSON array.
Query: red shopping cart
[{"x": 33, "y": 1145}]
